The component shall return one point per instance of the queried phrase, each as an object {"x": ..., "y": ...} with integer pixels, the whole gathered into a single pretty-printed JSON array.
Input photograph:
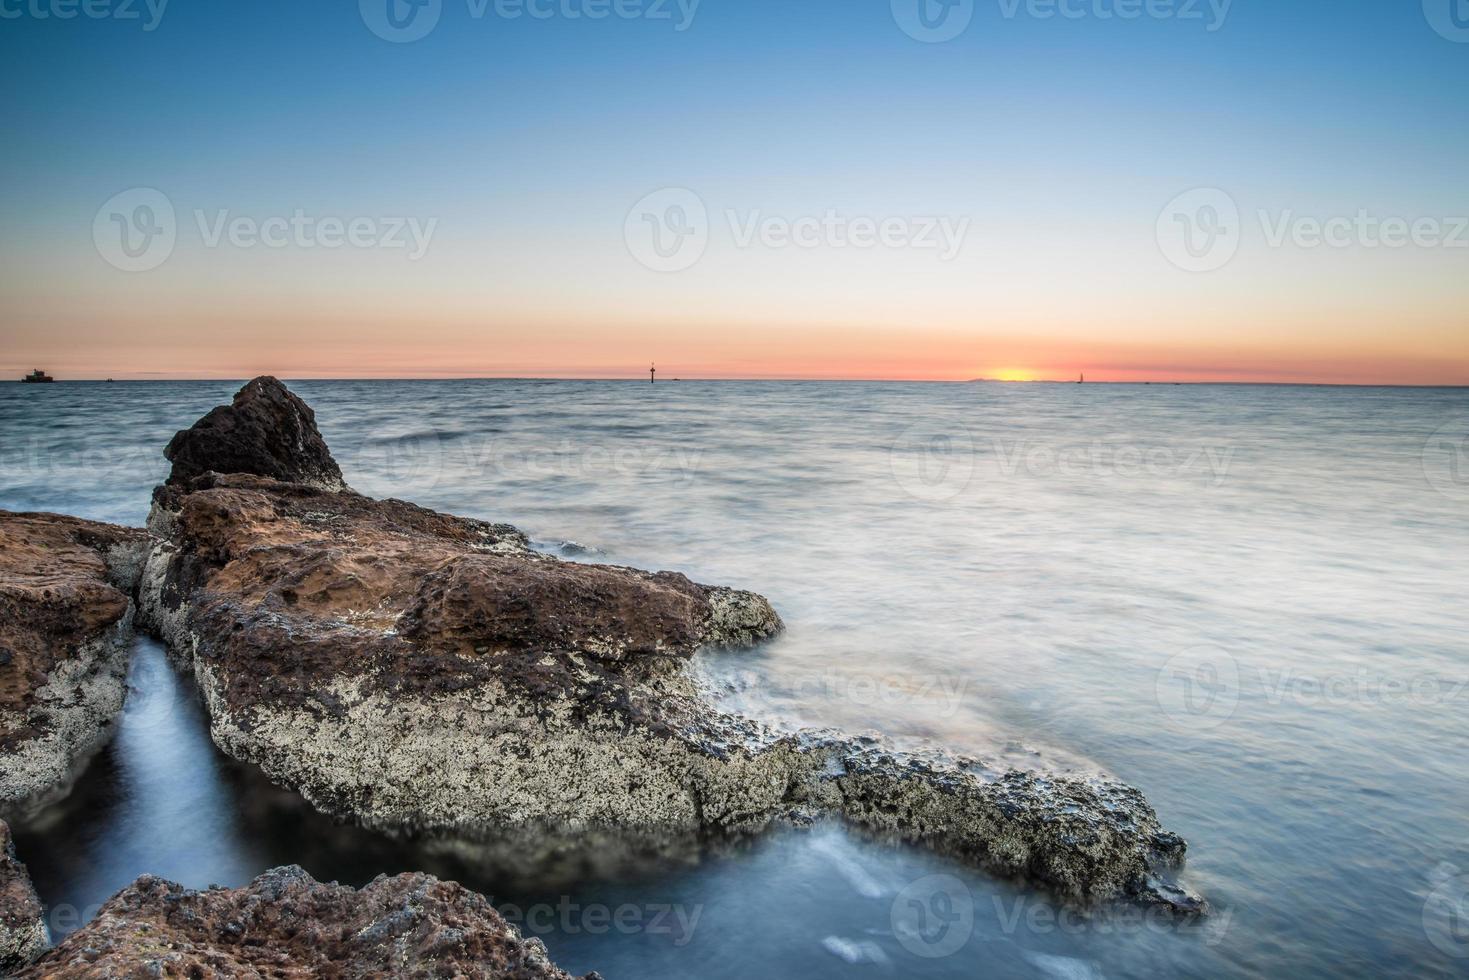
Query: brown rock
[
  {"x": 286, "y": 924},
  {"x": 65, "y": 623}
]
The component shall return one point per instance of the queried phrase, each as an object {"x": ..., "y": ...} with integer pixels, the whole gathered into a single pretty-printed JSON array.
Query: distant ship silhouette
[{"x": 38, "y": 377}]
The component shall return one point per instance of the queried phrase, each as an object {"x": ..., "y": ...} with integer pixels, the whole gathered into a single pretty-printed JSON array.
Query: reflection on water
[
  {"x": 1246, "y": 601},
  {"x": 165, "y": 793}
]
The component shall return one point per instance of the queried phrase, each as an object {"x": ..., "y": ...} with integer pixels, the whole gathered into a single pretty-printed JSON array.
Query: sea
[{"x": 1247, "y": 601}]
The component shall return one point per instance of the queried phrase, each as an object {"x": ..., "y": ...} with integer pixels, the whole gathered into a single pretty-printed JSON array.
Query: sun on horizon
[{"x": 1013, "y": 374}]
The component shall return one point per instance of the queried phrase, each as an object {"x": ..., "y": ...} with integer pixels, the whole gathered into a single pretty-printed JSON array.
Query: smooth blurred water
[{"x": 1247, "y": 601}]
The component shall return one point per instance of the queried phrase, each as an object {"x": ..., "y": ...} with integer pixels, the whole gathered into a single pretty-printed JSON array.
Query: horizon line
[{"x": 777, "y": 380}]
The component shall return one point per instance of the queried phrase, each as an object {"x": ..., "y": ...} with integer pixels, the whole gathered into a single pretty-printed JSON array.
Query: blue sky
[{"x": 529, "y": 139}]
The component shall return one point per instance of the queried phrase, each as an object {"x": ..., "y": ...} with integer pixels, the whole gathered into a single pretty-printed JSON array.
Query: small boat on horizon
[{"x": 38, "y": 377}]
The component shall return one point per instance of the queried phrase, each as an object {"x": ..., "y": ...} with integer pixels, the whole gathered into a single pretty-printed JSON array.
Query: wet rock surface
[
  {"x": 285, "y": 923},
  {"x": 65, "y": 624},
  {"x": 23, "y": 934},
  {"x": 416, "y": 670}
]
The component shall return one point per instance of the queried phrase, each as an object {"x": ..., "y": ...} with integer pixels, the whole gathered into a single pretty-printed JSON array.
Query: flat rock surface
[
  {"x": 412, "y": 601},
  {"x": 286, "y": 924}
]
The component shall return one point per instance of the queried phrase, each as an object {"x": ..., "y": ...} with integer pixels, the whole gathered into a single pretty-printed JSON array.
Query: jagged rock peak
[{"x": 266, "y": 431}]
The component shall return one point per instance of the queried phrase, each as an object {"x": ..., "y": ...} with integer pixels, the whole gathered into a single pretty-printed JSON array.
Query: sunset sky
[{"x": 525, "y": 144}]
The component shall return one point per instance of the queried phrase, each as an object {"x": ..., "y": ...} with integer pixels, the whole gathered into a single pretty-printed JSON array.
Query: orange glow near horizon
[
  {"x": 224, "y": 343},
  {"x": 821, "y": 317},
  {"x": 881, "y": 361}
]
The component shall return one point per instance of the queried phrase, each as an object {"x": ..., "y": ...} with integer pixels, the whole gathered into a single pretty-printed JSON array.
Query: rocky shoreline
[
  {"x": 417, "y": 671},
  {"x": 285, "y": 923}
]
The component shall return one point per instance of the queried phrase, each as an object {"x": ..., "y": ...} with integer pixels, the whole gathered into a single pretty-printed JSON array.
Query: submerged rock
[
  {"x": 65, "y": 626},
  {"x": 23, "y": 935},
  {"x": 413, "y": 669},
  {"x": 285, "y": 923}
]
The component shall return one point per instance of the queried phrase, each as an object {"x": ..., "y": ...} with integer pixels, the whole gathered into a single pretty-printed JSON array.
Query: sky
[{"x": 1195, "y": 190}]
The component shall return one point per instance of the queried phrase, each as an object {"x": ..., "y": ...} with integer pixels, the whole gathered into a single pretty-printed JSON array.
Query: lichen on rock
[{"x": 23, "y": 934}]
